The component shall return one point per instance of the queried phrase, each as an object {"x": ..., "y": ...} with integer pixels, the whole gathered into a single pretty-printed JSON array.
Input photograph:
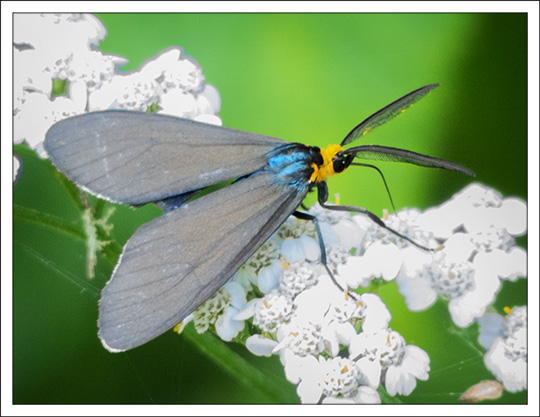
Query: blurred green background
[{"x": 302, "y": 77}]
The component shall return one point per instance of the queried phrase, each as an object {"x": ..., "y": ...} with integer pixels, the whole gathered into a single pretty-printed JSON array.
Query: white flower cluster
[
  {"x": 49, "y": 48},
  {"x": 505, "y": 340},
  {"x": 336, "y": 346},
  {"x": 477, "y": 228},
  {"x": 208, "y": 313},
  {"x": 316, "y": 333}
]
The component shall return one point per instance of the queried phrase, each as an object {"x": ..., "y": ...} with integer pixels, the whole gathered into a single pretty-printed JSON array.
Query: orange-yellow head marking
[{"x": 326, "y": 170}]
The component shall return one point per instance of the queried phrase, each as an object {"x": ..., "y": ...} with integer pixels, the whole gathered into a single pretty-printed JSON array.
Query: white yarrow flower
[
  {"x": 401, "y": 377},
  {"x": 68, "y": 53},
  {"x": 330, "y": 381},
  {"x": 506, "y": 356},
  {"x": 297, "y": 278},
  {"x": 478, "y": 253},
  {"x": 384, "y": 355},
  {"x": 227, "y": 324},
  {"x": 260, "y": 345},
  {"x": 272, "y": 311}
]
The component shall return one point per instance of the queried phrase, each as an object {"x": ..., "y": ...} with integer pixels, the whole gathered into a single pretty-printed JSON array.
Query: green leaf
[{"x": 276, "y": 390}]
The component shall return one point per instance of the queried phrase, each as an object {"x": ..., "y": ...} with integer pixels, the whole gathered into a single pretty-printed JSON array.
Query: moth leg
[
  {"x": 322, "y": 195},
  {"x": 306, "y": 216}
]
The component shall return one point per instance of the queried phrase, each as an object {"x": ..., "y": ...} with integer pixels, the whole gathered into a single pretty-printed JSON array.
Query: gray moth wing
[
  {"x": 135, "y": 158},
  {"x": 173, "y": 264}
]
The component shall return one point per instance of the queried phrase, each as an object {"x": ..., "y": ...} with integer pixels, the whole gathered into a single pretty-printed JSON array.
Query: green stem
[
  {"x": 47, "y": 220},
  {"x": 111, "y": 251}
]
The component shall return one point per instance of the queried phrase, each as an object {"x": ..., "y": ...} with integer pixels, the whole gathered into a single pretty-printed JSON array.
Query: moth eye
[{"x": 338, "y": 165}]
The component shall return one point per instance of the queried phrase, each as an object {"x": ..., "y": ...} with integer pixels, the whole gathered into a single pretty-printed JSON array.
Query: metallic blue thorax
[{"x": 292, "y": 165}]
